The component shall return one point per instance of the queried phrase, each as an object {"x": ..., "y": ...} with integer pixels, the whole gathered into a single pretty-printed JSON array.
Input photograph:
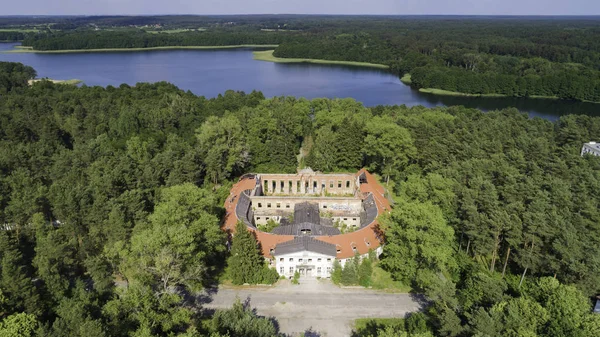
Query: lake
[{"x": 211, "y": 72}]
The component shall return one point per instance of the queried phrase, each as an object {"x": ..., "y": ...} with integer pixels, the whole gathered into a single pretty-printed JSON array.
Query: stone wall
[{"x": 263, "y": 205}]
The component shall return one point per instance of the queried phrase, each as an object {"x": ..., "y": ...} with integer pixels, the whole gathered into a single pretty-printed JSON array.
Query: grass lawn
[
  {"x": 30, "y": 50},
  {"x": 267, "y": 55},
  {"x": 406, "y": 79},
  {"x": 382, "y": 280}
]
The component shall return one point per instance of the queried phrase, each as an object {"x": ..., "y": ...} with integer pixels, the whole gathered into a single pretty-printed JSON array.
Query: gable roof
[
  {"x": 305, "y": 243},
  {"x": 307, "y": 212}
]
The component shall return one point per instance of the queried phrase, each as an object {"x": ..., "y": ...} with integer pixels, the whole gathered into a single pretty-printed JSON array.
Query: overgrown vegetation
[
  {"x": 356, "y": 271},
  {"x": 269, "y": 226}
]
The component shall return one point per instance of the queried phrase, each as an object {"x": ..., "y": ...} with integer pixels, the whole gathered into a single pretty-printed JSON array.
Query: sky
[{"x": 389, "y": 7}]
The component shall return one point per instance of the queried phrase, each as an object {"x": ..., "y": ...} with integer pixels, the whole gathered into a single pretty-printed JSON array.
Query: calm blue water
[{"x": 211, "y": 72}]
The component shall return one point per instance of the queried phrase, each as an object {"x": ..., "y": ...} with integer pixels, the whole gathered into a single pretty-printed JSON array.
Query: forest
[
  {"x": 556, "y": 57},
  {"x": 111, "y": 200},
  {"x": 11, "y": 36}
]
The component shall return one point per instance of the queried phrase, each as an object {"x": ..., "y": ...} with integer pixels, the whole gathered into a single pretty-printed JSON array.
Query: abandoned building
[
  {"x": 313, "y": 218},
  {"x": 592, "y": 148}
]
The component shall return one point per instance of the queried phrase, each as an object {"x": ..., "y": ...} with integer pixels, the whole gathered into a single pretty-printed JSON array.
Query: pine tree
[
  {"x": 245, "y": 263},
  {"x": 349, "y": 276},
  {"x": 336, "y": 273},
  {"x": 16, "y": 286},
  {"x": 348, "y": 145},
  {"x": 365, "y": 270}
]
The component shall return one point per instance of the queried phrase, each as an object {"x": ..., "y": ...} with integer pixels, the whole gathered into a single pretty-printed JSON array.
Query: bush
[
  {"x": 267, "y": 275},
  {"x": 349, "y": 276},
  {"x": 296, "y": 279},
  {"x": 416, "y": 323},
  {"x": 336, "y": 273}
]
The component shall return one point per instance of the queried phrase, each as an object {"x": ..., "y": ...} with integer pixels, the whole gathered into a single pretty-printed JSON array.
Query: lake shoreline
[
  {"x": 212, "y": 73},
  {"x": 406, "y": 79},
  {"x": 441, "y": 92},
  {"x": 267, "y": 56},
  {"x": 108, "y": 50}
]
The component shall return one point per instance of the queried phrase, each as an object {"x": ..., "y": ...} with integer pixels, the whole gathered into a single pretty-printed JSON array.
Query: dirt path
[{"x": 317, "y": 304}]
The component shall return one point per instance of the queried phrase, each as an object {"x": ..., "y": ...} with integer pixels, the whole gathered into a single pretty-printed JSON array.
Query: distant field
[
  {"x": 20, "y": 30},
  {"x": 279, "y": 30},
  {"x": 31, "y": 50},
  {"x": 71, "y": 82},
  {"x": 267, "y": 55},
  {"x": 174, "y": 31}
]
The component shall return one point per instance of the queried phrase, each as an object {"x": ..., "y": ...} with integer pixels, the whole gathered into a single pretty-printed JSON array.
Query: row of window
[
  {"x": 282, "y": 270},
  {"x": 270, "y": 206},
  {"x": 301, "y": 260}
]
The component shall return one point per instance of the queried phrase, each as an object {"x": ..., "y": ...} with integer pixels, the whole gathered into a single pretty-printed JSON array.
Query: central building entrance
[{"x": 306, "y": 271}]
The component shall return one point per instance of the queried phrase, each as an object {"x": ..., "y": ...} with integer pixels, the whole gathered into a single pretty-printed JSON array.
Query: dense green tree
[
  {"x": 242, "y": 321},
  {"x": 419, "y": 243},
  {"x": 78, "y": 315},
  {"x": 224, "y": 147},
  {"x": 365, "y": 272},
  {"x": 520, "y": 317},
  {"x": 18, "y": 292},
  {"x": 56, "y": 260},
  {"x": 349, "y": 273},
  {"x": 142, "y": 312},
  {"x": 19, "y": 325},
  {"x": 182, "y": 241},
  {"x": 246, "y": 264},
  {"x": 388, "y": 146},
  {"x": 336, "y": 272},
  {"x": 416, "y": 323}
]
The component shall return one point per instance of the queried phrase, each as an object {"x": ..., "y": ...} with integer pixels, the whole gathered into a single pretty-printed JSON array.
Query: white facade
[
  {"x": 308, "y": 264},
  {"x": 592, "y": 148}
]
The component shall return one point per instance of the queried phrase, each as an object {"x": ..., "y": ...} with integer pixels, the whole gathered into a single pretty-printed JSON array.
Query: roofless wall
[{"x": 307, "y": 183}]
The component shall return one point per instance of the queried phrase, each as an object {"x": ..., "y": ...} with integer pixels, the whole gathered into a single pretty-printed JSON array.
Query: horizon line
[{"x": 303, "y": 14}]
